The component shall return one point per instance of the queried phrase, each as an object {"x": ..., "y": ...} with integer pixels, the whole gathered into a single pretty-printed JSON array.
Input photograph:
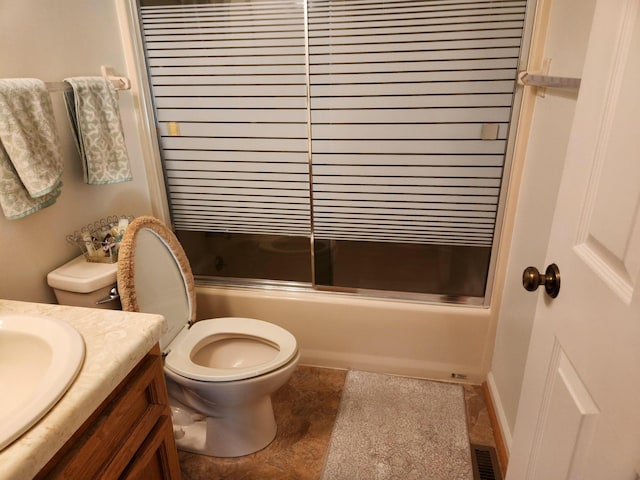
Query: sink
[{"x": 39, "y": 359}]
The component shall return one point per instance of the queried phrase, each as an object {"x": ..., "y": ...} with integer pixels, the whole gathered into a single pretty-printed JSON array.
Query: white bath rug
[{"x": 400, "y": 428}]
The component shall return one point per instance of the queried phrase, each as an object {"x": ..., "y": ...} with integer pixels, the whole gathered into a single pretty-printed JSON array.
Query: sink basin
[{"x": 39, "y": 359}]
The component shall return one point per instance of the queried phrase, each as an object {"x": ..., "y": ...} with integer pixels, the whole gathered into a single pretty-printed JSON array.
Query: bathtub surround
[
  {"x": 375, "y": 335},
  {"x": 30, "y": 158},
  {"x": 94, "y": 113},
  {"x": 387, "y": 425}
]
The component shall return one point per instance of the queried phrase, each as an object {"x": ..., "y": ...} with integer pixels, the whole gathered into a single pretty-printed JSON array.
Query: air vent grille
[{"x": 485, "y": 463}]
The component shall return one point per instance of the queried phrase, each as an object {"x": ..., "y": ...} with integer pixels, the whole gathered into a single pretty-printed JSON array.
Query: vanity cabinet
[{"x": 130, "y": 436}]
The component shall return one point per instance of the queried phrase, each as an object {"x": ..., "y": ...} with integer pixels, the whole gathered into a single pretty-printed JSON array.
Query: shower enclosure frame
[{"x": 134, "y": 53}]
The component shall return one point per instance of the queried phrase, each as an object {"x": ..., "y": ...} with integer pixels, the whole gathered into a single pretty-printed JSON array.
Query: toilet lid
[
  {"x": 179, "y": 358},
  {"x": 154, "y": 275}
]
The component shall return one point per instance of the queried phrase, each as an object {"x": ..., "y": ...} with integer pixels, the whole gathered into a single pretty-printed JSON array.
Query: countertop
[{"x": 115, "y": 341}]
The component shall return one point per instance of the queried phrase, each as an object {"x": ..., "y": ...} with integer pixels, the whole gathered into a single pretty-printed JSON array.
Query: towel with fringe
[
  {"x": 92, "y": 104},
  {"x": 30, "y": 157}
]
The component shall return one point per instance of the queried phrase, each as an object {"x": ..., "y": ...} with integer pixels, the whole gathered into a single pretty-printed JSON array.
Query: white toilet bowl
[
  {"x": 227, "y": 349},
  {"x": 220, "y": 372}
]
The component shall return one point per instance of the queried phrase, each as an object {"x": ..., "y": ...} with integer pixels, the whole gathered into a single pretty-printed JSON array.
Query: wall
[
  {"x": 51, "y": 41},
  {"x": 565, "y": 43}
]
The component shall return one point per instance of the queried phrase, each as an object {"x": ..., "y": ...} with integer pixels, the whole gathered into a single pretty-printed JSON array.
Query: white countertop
[{"x": 115, "y": 342}]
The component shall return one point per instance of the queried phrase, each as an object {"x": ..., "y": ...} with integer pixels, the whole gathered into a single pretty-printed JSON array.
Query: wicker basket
[{"x": 99, "y": 241}]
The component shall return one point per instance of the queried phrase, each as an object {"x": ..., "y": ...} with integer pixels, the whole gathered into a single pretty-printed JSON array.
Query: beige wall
[
  {"x": 51, "y": 41},
  {"x": 565, "y": 43}
]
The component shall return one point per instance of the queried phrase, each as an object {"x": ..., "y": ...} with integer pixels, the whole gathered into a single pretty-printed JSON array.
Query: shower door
[
  {"x": 410, "y": 109},
  {"x": 352, "y": 145}
]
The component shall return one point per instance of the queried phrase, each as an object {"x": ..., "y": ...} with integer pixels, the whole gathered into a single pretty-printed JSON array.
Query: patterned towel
[
  {"x": 93, "y": 110},
  {"x": 30, "y": 158}
]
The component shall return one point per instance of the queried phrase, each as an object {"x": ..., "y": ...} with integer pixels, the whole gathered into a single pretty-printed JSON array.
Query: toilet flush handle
[{"x": 113, "y": 295}]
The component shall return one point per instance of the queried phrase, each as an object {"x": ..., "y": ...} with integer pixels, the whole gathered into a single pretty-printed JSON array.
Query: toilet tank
[{"x": 80, "y": 283}]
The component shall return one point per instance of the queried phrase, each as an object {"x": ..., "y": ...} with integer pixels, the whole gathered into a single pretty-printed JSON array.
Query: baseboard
[{"x": 501, "y": 430}]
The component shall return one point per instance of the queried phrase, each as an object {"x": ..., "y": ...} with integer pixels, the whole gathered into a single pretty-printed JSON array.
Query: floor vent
[{"x": 485, "y": 463}]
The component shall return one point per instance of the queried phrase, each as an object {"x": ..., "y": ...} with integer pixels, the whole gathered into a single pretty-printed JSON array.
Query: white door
[{"x": 579, "y": 413}]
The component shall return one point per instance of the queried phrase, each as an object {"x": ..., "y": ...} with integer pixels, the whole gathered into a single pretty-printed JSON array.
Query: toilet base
[{"x": 231, "y": 432}]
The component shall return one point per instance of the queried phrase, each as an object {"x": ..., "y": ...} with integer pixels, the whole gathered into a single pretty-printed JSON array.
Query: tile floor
[{"x": 305, "y": 411}]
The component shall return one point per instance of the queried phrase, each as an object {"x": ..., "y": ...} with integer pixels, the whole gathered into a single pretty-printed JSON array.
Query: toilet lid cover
[
  {"x": 154, "y": 275},
  {"x": 179, "y": 360}
]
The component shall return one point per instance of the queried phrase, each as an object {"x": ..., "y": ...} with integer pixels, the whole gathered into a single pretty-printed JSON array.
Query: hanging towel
[
  {"x": 93, "y": 110},
  {"x": 30, "y": 158}
]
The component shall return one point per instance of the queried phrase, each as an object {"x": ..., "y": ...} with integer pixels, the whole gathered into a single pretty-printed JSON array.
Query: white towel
[
  {"x": 30, "y": 158},
  {"x": 93, "y": 110}
]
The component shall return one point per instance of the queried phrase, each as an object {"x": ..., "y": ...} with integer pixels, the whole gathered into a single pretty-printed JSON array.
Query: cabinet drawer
[
  {"x": 153, "y": 461},
  {"x": 106, "y": 443}
]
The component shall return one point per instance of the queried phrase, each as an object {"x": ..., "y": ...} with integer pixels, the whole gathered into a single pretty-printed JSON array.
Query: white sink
[{"x": 39, "y": 359}]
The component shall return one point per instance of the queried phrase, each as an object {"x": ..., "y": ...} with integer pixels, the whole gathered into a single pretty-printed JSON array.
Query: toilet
[{"x": 220, "y": 372}]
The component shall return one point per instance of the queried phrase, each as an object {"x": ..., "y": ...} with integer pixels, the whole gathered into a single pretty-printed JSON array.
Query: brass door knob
[{"x": 532, "y": 279}]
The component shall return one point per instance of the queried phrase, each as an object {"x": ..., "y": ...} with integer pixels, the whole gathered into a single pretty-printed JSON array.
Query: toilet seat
[{"x": 179, "y": 359}]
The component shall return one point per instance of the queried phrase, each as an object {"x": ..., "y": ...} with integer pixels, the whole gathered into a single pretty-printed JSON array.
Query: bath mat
[{"x": 392, "y": 427}]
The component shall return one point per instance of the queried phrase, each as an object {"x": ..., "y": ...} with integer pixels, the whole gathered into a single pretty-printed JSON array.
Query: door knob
[{"x": 532, "y": 279}]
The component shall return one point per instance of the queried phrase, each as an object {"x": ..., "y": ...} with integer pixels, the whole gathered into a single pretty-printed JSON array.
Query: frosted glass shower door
[
  {"x": 410, "y": 103},
  {"x": 348, "y": 144}
]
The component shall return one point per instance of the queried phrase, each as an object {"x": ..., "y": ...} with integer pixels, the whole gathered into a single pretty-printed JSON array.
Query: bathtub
[{"x": 440, "y": 342}]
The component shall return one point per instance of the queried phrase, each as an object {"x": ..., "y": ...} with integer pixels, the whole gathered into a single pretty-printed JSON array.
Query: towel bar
[
  {"x": 119, "y": 83},
  {"x": 548, "y": 81}
]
